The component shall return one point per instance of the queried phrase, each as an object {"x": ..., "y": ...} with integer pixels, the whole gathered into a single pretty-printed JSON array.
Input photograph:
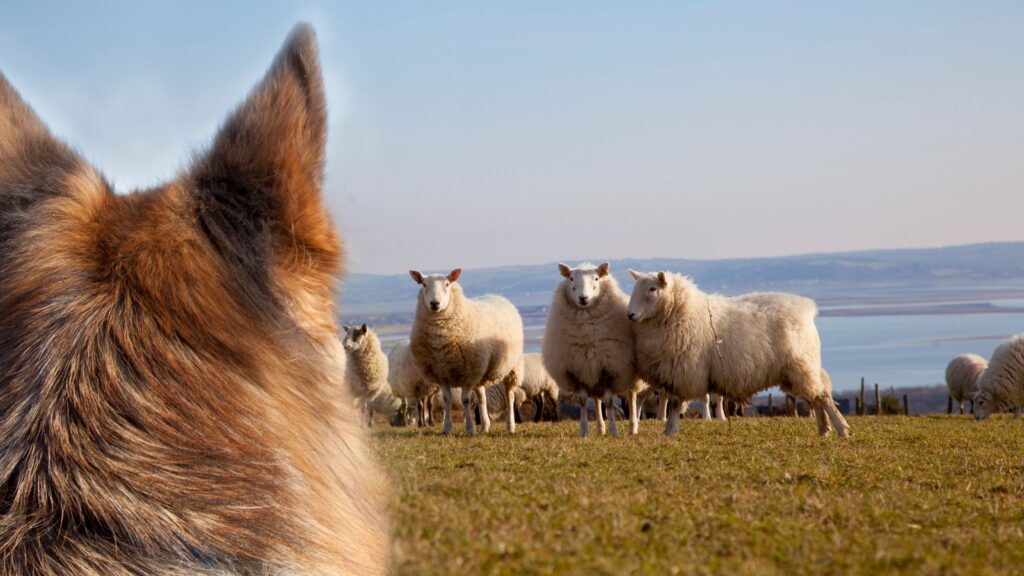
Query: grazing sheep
[
  {"x": 367, "y": 367},
  {"x": 466, "y": 343},
  {"x": 588, "y": 342},
  {"x": 691, "y": 343},
  {"x": 538, "y": 385},
  {"x": 409, "y": 384},
  {"x": 962, "y": 375},
  {"x": 1002, "y": 385}
]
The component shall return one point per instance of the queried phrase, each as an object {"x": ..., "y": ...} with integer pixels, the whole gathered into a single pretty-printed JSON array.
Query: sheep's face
[
  {"x": 435, "y": 289},
  {"x": 984, "y": 405},
  {"x": 648, "y": 294},
  {"x": 583, "y": 285},
  {"x": 355, "y": 337}
]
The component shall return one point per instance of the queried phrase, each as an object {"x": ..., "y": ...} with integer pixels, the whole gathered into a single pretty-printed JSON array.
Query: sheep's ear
[
  {"x": 363, "y": 328},
  {"x": 564, "y": 270},
  {"x": 454, "y": 274},
  {"x": 636, "y": 275},
  {"x": 662, "y": 280},
  {"x": 347, "y": 329},
  {"x": 417, "y": 276},
  {"x": 602, "y": 270}
]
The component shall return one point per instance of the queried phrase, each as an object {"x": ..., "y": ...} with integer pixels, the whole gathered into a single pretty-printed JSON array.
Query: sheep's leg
[
  {"x": 467, "y": 410},
  {"x": 538, "y": 408},
  {"x": 485, "y": 415},
  {"x": 510, "y": 416},
  {"x": 558, "y": 408},
  {"x": 706, "y": 410},
  {"x": 421, "y": 417},
  {"x": 584, "y": 421},
  {"x": 719, "y": 407},
  {"x": 609, "y": 401},
  {"x": 599, "y": 408},
  {"x": 446, "y": 393},
  {"x": 672, "y": 423},
  {"x": 634, "y": 413},
  {"x": 663, "y": 406},
  {"x": 819, "y": 411},
  {"x": 1016, "y": 413},
  {"x": 961, "y": 406},
  {"x": 842, "y": 428}
]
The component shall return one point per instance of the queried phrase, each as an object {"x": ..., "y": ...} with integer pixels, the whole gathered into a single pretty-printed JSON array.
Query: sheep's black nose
[
  {"x": 435, "y": 305},
  {"x": 632, "y": 315},
  {"x": 584, "y": 300}
]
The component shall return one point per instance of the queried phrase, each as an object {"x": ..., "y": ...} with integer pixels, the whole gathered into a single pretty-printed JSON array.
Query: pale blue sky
[{"x": 472, "y": 134}]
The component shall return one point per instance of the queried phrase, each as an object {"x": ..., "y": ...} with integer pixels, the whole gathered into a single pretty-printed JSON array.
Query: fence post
[
  {"x": 878, "y": 400},
  {"x": 906, "y": 406},
  {"x": 860, "y": 412}
]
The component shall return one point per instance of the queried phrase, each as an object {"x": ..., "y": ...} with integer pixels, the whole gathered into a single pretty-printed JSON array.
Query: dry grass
[{"x": 921, "y": 495}]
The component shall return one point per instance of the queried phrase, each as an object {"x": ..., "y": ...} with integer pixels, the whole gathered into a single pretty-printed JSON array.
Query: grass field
[{"x": 918, "y": 495}]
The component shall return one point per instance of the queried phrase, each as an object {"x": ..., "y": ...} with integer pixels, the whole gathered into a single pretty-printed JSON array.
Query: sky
[{"x": 470, "y": 134}]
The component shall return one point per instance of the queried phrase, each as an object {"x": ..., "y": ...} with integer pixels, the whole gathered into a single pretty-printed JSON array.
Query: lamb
[
  {"x": 538, "y": 385},
  {"x": 588, "y": 342},
  {"x": 367, "y": 371},
  {"x": 691, "y": 343},
  {"x": 466, "y": 343},
  {"x": 408, "y": 383},
  {"x": 962, "y": 375},
  {"x": 1002, "y": 385}
]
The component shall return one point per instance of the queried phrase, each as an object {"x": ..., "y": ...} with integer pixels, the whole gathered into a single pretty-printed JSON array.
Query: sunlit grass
[{"x": 903, "y": 495}]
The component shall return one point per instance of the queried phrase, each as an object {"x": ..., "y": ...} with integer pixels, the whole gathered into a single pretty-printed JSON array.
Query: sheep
[
  {"x": 1002, "y": 384},
  {"x": 497, "y": 399},
  {"x": 367, "y": 371},
  {"x": 466, "y": 343},
  {"x": 588, "y": 342},
  {"x": 408, "y": 383},
  {"x": 691, "y": 343},
  {"x": 538, "y": 385},
  {"x": 962, "y": 375}
]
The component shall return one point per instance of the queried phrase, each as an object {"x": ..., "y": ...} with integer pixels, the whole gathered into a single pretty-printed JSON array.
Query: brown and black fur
[{"x": 171, "y": 397}]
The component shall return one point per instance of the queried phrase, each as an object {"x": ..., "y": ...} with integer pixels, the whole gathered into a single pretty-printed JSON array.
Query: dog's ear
[
  {"x": 33, "y": 164},
  {"x": 261, "y": 178}
]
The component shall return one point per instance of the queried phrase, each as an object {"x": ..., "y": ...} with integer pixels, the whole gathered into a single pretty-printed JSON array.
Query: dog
[{"x": 171, "y": 378}]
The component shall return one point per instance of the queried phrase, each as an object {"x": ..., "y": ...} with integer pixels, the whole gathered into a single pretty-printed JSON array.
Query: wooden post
[
  {"x": 860, "y": 411},
  {"x": 858, "y": 405},
  {"x": 878, "y": 400},
  {"x": 906, "y": 406}
]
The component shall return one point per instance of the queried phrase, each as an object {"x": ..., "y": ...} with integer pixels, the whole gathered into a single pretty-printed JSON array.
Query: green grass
[{"x": 920, "y": 495}]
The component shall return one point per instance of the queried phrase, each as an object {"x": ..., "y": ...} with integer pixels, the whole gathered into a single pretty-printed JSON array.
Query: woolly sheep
[
  {"x": 408, "y": 383},
  {"x": 588, "y": 342},
  {"x": 691, "y": 343},
  {"x": 367, "y": 372},
  {"x": 1002, "y": 385},
  {"x": 962, "y": 375},
  {"x": 538, "y": 385},
  {"x": 466, "y": 343}
]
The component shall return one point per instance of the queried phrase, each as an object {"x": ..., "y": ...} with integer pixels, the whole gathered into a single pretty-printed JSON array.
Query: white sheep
[
  {"x": 409, "y": 384},
  {"x": 466, "y": 343},
  {"x": 691, "y": 343},
  {"x": 588, "y": 342},
  {"x": 962, "y": 375},
  {"x": 1002, "y": 384},
  {"x": 367, "y": 372},
  {"x": 538, "y": 385}
]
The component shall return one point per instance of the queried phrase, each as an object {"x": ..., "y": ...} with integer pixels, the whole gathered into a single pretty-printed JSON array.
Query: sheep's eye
[
  {"x": 447, "y": 284},
  {"x": 652, "y": 289}
]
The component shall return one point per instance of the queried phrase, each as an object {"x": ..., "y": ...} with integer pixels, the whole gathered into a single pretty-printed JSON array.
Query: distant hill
[{"x": 875, "y": 276}]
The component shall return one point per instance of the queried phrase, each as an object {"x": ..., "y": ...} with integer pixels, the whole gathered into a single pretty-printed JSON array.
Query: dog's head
[{"x": 173, "y": 350}]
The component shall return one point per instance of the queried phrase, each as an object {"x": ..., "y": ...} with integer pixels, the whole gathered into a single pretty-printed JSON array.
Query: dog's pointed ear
[
  {"x": 32, "y": 160},
  {"x": 416, "y": 275},
  {"x": 636, "y": 275},
  {"x": 264, "y": 169},
  {"x": 564, "y": 270},
  {"x": 454, "y": 274},
  {"x": 602, "y": 270}
]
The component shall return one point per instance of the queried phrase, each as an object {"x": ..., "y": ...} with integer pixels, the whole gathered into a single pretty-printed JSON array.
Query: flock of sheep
[
  {"x": 991, "y": 386},
  {"x": 599, "y": 343}
]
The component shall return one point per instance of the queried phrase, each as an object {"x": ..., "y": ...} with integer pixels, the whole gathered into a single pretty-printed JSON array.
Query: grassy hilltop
[{"x": 935, "y": 495}]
